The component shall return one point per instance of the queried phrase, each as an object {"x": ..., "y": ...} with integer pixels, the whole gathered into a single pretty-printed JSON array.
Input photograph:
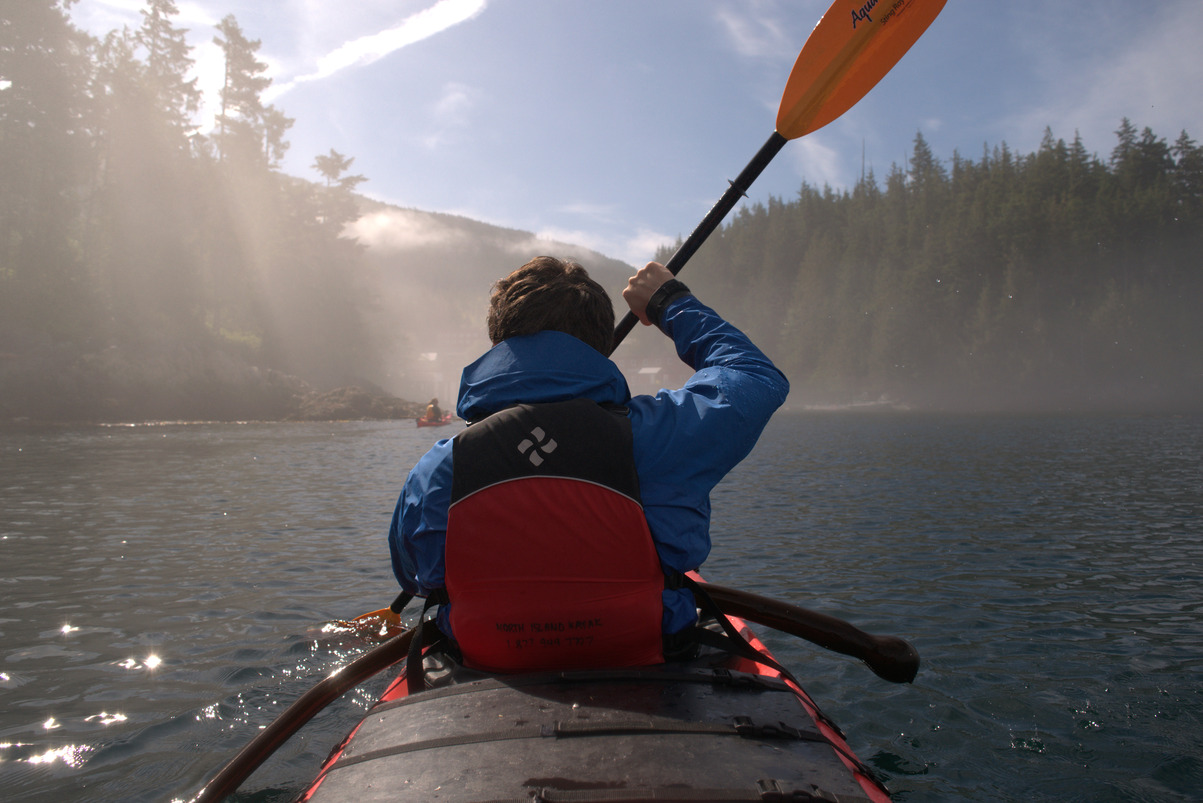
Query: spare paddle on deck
[
  {"x": 852, "y": 48},
  {"x": 310, "y": 703},
  {"x": 890, "y": 657}
]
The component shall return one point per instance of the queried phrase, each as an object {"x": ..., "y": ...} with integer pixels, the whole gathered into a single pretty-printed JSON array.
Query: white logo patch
[{"x": 538, "y": 445}]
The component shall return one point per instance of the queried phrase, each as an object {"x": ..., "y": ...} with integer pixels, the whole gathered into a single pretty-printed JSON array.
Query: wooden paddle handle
[{"x": 891, "y": 658}]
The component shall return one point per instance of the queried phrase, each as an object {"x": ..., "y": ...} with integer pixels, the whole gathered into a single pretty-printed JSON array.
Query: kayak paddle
[
  {"x": 259, "y": 749},
  {"x": 852, "y": 48},
  {"x": 890, "y": 657}
]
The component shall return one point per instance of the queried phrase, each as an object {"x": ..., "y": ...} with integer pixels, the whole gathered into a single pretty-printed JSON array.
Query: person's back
[{"x": 552, "y": 327}]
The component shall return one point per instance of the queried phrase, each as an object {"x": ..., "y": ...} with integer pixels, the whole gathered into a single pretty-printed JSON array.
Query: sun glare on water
[
  {"x": 151, "y": 662},
  {"x": 73, "y": 755}
]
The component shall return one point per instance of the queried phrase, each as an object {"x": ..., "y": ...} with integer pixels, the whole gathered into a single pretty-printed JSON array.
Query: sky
[{"x": 616, "y": 125}]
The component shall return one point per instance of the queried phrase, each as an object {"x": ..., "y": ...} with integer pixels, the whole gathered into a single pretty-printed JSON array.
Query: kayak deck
[{"x": 693, "y": 731}]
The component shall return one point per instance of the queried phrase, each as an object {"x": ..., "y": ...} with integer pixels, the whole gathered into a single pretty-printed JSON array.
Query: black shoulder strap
[
  {"x": 427, "y": 634},
  {"x": 734, "y": 641},
  {"x": 400, "y": 602}
]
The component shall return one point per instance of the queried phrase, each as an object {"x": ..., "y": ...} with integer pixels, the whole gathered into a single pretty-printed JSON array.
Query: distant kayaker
[
  {"x": 554, "y": 529},
  {"x": 433, "y": 411}
]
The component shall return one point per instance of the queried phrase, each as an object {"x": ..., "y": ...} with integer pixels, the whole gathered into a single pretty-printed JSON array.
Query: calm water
[{"x": 164, "y": 589}]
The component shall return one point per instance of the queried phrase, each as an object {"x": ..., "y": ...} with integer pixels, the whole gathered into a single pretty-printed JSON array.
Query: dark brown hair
[{"x": 556, "y": 294}]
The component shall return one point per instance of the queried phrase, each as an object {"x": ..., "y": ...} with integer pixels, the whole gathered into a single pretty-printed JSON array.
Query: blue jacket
[{"x": 685, "y": 440}]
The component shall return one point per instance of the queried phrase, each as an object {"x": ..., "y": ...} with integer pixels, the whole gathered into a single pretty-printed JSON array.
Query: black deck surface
[{"x": 622, "y": 735}]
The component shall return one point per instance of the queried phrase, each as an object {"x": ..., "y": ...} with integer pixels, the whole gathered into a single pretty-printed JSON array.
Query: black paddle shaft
[{"x": 738, "y": 189}]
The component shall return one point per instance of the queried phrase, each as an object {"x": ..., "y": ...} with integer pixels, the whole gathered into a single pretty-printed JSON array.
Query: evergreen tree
[
  {"x": 248, "y": 131},
  {"x": 1125, "y": 150},
  {"x": 1044, "y": 278},
  {"x": 1188, "y": 174},
  {"x": 144, "y": 218},
  {"x": 167, "y": 65},
  {"x": 44, "y": 160},
  {"x": 336, "y": 205}
]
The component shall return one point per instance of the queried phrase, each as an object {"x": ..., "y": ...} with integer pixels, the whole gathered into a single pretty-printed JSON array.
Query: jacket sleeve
[
  {"x": 418, "y": 531},
  {"x": 688, "y": 439},
  {"x": 704, "y": 340}
]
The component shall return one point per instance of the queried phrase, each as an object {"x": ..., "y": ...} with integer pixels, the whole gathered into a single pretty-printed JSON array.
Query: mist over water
[
  {"x": 168, "y": 589},
  {"x": 431, "y": 278}
]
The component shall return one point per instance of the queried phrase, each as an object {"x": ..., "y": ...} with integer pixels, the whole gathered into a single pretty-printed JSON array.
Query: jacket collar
[{"x": 544, "y": 367}]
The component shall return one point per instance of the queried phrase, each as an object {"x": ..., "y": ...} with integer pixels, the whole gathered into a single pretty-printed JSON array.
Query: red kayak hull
[{"x": 717, "y": 727}]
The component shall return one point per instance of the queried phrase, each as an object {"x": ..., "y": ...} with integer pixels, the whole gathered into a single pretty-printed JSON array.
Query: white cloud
[
  {"x": 1154, "y": 81},
  {"x": 191, "y": 14},
  {"x": 641, "y": 247},
  {"x": 400, "y": 230},
  {"x": 609, "y": 235},
  {"x": 560, "y": 239},
  {"x": 451, "y": 112},
  {"x": 366, "y": 49},
  {"x": 816, "y": 163},
  {"x": 753, "y": 32},
  {"x": 592, "y": 211},
  {"x": 453, "y": 105},
  {"x": 102, "y": 16},
  {"x": 635, "y": 249}
]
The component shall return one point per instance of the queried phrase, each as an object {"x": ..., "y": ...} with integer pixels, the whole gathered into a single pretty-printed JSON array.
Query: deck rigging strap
[
  {"x": 715, "y": 676},
  {"x": 740, "y": 726},
  {"x": 741, "y": 646},
  {"x": 768, "y": 790}
]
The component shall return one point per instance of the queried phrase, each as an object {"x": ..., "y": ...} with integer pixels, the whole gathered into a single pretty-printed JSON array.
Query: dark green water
[{"x": 164, "y": 590}]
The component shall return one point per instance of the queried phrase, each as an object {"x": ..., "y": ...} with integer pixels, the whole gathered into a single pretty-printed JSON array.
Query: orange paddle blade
[
  {"x": 386, "y": 615},
  {"x": 375, "y": 625},
  {"x": 852, "y": 48}
]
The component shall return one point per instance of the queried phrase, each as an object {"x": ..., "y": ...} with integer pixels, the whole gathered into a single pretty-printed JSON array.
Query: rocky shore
[
  {"x": 111, "y": 388},
  {"x": 354, "y": 404}
]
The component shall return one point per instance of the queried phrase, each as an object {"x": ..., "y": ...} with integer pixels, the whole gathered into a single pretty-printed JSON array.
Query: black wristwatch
[{"x": 662, "y": 297}]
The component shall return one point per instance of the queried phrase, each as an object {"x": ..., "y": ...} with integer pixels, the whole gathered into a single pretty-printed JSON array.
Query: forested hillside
[
  {"x": 152, "y": 270},
  {"x": 149, "y": 270},
  {"x": 1052, "y": 280}
]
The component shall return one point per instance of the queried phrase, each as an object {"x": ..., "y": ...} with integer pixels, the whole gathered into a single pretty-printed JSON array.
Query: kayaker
[
  {"x": 531, "y": 527},
  {"x": 433, "y": 411}
]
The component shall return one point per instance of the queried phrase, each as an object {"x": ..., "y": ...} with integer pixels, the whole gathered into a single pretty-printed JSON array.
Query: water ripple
[{"x": 166, "y": 587}]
